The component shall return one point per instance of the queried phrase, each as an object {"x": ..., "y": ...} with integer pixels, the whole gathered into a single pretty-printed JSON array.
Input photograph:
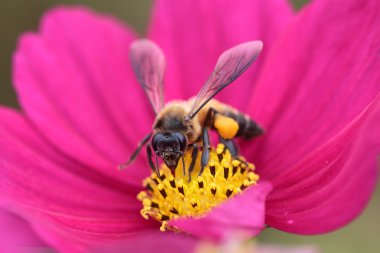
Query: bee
[{"x": 183, "y": 125}]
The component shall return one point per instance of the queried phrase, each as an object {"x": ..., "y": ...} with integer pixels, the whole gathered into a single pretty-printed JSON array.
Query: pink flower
[{"x": 315, "y": 89}]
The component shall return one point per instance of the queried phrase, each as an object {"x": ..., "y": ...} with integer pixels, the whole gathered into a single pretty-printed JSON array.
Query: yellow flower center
[{"x": 173, "y": 196}]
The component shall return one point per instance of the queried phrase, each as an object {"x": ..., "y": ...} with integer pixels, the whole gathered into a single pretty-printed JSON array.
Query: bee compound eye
[{"x": 182, "y": 141}]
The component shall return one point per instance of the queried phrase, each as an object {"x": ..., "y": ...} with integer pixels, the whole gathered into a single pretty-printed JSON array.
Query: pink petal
[
  {"x": 193, "y": 34},
  {"x": 154, "y": 241},
  {"x": 329, "y": 188},
  {"x": 244, "y": 213},
  {"x": 312, "y": 87},
  {"x": 312, "y": 96},
  {"x": 75, "y": 82},
  {"x": 16, "y": 234},
  {"x": 69, "y": 205}
]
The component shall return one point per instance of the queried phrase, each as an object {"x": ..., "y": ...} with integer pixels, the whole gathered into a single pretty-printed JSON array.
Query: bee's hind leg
[
  {"x": 230, "y": 145},
  {"x": 233, "y": 148}
]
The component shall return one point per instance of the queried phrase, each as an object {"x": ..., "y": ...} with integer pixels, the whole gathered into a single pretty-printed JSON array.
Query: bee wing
[
  {"x": 231, "y": 64},
  {"x": 148, "y": 63}
]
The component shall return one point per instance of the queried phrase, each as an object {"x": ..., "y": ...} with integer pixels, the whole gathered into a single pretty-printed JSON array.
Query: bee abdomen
[{"x": 247, "y": 127}]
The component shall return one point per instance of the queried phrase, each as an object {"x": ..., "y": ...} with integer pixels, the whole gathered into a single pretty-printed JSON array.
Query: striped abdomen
[{"x": 247, "y": 127}]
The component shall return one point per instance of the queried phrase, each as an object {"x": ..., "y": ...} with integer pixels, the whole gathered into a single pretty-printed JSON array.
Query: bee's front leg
[
  {"x": 151, "y": 163},
  {"x": 206, "y": 150},
  {"x": 206, "y": 139},
  {"x": 136, "y": 152}
]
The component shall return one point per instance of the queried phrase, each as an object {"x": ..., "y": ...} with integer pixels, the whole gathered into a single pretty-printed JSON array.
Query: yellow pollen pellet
[
  {"x": 172, "y": 196},
  {"x": 226, "y": 126}
]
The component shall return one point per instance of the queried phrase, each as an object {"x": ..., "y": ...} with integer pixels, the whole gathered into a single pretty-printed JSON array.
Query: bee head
[{"x": 170, "y": 146}]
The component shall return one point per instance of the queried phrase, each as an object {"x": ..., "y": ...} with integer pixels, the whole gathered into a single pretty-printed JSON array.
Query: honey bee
[{"x": 183, "y": 125}]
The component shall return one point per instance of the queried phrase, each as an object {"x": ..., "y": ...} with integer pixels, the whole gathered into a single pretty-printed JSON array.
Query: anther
[
  {"x": 212, "y": 170},
  {"x": 180, "y": 190},
  {"x": 234, "y": 170},
  {"x": 245, "y": 184},
  {"x": 213, "y": 189},
  {"x": 163, "y": 217},
  {"x": 226, "y": 170},
  {"x": 148, "y": 187},
  {"x": 161, "y": 189},
  {"x": 228, "y": 193},
  {"x": 154, "y": 205}
]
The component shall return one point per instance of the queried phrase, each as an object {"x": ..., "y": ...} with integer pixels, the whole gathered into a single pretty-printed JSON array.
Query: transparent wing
[
  {"x": 148, "y": 63},
  {"x": 231, "y": 64}
]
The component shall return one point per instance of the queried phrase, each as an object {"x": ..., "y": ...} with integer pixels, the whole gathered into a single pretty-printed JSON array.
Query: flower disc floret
[{"x": 171, "y": 196}]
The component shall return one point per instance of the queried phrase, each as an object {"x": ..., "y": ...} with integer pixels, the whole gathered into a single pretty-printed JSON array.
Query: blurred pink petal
[
  {"x": 152, "y": 241},
  {"x": 313, "y": 99},
  {"x": 16, "y": 234},
  {"x": 75, "y": 75},
  {"x": 244, "y": 213},
  {"x": 194, "y": 33},
  {"x": 73, "y": 205}
]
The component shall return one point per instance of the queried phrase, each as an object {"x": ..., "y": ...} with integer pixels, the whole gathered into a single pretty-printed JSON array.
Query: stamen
[{"x": 171, "y": 196}]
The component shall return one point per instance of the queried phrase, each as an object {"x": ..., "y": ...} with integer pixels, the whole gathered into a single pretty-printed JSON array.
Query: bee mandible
[{"x": 183, "y": 125}]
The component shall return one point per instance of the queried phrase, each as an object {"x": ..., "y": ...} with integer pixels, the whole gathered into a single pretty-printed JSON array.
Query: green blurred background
[{"x": 18, "y": 16}]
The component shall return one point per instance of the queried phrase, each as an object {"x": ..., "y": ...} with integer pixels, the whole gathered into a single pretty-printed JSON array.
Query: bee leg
[
  {"x": 151, "y": 164},
  {"x": 233, "y": 148},
  {"x": 206, "y": 139},
  {"x": 183, "y": 164},
  {"x": 194, "y": 156},
  {"x": 156, "y": 167},
  {"x": 206, "y": 151},
  {"x": 230, "y": 145},
  {"x": 136, "y": 152}
]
